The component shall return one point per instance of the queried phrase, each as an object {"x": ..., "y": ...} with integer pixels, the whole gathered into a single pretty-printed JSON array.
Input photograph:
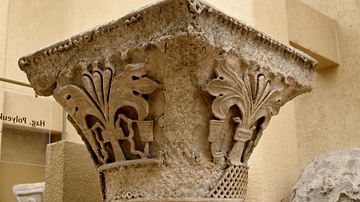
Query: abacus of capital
[{"x": 172, "y": 99}]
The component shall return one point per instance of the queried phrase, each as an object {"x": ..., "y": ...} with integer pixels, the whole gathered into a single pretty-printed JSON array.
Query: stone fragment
[
  {"x": 31, "y": 192},
  {"x": 331, "y": 177}
]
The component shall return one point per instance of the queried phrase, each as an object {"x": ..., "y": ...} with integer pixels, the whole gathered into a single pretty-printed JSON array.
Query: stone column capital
[{"x": 173, "y": 97}]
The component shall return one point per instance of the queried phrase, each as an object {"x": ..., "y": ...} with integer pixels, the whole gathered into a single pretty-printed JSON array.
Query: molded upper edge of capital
[{"x": 147, "y": 24}]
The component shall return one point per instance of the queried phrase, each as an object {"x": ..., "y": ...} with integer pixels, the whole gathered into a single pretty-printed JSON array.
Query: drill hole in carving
[{"x": 136, "y": 93}]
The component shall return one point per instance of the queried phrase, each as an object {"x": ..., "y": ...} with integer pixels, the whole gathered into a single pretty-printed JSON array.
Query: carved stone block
[
  {"x": 33, "y": 192},
  {"x": 171, "y": 99}
]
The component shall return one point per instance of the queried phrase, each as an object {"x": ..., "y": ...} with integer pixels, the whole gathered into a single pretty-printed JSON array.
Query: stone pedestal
[
  {"x": 172, "y": 99},
  {"x": 70, "y": 175}
]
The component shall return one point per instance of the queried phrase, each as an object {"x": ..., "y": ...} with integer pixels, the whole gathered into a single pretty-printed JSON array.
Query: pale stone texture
[
  {"x": 33, "y": 192},
  {"x": 327, "y": 97},
  {"x": 70, "y": 174},
  {"x": 172, "y": 98},
  {"x": 331, "y": 177},
  {"x": 74, "y": 16}
]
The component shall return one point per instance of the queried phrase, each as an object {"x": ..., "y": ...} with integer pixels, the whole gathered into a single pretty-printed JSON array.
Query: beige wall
[
  {"x": 3, "y": 33},
  {"x": 274, "y": 160},
  {"x": 36, "y": 24},
  {"x": 3, "y": 37},
  {"x": 321, "y": 121},
  {"x": 328, "y": 117},
  {"x": 12, "y": 174}
]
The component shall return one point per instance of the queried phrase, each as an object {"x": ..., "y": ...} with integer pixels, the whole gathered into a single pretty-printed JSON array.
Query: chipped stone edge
[
  {"x": 129, "y": 163},
  {"x": 86, "y": 37}
]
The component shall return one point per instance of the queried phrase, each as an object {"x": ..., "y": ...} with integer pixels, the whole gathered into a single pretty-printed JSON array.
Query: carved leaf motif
[
  {"x": 266, "y": 96},
  {"x": 228, "y": 88},
  {"x": 79, "y": 104},
  {"x": 256, "y": 94},
  {"x": 102, "y": 95},
  {"x": 130, "y": 85}
]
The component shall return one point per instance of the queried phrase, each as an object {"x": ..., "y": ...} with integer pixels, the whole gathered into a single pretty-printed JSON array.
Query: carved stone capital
[{"x": 172, "y": 98}]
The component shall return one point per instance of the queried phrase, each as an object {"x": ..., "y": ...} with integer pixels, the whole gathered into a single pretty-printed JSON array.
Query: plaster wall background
[
  {"x": 3, "y": 34},
  {"x": 274, "y": 166},
  {"x": 315, "y": 123},
  {"x": 11, "y": 173},
  {"x": 327, "y": 119}
]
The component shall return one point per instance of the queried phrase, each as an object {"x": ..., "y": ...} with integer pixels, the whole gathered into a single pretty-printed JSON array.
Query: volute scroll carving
[{"x": 111, "y": 111}]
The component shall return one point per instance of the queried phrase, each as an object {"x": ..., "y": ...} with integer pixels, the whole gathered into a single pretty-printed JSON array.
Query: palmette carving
[
  {"x": 165, "y": 157},
  {"x": 110, "y": 111},
  {"x": 257, "y": 96}
]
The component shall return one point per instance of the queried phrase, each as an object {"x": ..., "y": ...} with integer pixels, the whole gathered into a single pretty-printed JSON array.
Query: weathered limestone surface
[
  {"x": 331, "y": 177},
  {"x": 172, "y": 99},
  {"x": 33, "y": 192},
  {"x": 70, "y": 175}
]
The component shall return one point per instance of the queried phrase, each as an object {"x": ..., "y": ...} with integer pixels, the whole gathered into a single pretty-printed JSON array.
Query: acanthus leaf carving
[
  {"x": 257, "y": 95},
  {"x": 96, "y": 107},
  {"x": 130, "y": 86}
]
